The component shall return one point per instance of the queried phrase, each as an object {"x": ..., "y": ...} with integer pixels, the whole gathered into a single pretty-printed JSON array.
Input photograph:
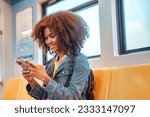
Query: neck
[{"x": 60, "y": 55}]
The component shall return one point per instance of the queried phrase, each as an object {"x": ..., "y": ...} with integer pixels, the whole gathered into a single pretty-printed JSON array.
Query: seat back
[
  {"x": 101, "y": 83},
  {"x": 14, "y": 89},
  {"x": 130, "y": 83}
]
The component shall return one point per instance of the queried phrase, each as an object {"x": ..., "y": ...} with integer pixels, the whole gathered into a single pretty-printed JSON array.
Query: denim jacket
[{"x": 55, "y": 90}]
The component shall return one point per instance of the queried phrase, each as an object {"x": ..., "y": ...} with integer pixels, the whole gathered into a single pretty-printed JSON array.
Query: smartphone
[{"x": 22, "y": 63}]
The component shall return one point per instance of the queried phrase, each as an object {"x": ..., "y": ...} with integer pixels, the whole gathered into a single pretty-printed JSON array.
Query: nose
[{"x": 48, "y": 41}]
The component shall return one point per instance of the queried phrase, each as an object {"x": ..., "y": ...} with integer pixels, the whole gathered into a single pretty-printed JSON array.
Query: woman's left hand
[{"x": 39, "y": 72}]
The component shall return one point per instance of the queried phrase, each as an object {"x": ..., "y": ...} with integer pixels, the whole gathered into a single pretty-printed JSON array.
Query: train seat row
[
  {"x": 111, "y": 83},
  {"x": 123, "y": 83}
]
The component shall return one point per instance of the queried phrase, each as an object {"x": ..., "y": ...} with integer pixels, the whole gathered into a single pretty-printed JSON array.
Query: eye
[{"x": 51, "y": 35}]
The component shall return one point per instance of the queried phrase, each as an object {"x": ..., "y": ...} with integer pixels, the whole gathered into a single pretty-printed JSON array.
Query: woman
[{"x": 63, "y": 34}]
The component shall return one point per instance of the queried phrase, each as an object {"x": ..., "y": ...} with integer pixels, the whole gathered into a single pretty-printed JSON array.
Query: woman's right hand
[{"x": 28, "y": 76}]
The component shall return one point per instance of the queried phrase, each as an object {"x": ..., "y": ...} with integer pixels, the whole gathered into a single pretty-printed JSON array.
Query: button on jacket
[{"x": 55, "y": 90}]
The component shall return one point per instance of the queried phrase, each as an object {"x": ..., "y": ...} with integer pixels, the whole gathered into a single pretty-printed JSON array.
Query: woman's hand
[
  {"x": 28, "y": 76},
  {"x": 39, "y": 72}
]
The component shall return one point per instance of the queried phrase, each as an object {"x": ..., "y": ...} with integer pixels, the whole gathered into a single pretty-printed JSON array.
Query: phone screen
[{"x": 22, "y": 63}]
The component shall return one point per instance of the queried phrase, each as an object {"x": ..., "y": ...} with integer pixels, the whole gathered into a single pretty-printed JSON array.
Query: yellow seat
[
  {"x": 130, "y": 83},
  {"x": 14, "y": 89},
  {"x": 101, "y": 83},
  {"x": 114, "y": 83}
]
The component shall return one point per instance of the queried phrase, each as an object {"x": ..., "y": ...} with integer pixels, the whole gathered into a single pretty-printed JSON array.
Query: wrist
[
  {"x": 31, "y": 82},
  {"x": 46, "y": 80}
]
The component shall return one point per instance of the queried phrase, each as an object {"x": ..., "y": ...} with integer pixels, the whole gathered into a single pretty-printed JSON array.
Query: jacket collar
[{"x": 65, "y": 62}]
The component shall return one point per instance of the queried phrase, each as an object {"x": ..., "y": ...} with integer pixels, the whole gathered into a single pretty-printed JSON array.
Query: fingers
[
  {"x": 41, "y": 66},
  {"x": 35, "y": 71},
  {"x": 26, "y": 73},
  {"x": 30, "y": 64},
  {"x": 28, "y": 76}
]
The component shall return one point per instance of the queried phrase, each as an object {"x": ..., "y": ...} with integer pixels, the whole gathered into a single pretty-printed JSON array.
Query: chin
[{"x": 53, "y": 50}]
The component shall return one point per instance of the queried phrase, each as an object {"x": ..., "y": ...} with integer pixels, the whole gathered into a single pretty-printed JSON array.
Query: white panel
[{"x": 0, "y": 42}]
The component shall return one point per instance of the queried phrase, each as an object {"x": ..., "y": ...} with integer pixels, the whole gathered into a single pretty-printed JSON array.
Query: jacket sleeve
[{"x": 36, "y": 91}]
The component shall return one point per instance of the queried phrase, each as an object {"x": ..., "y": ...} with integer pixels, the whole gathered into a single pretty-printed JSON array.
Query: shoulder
[
  {"x": 81, "y": 65},
  {"x": 81, "y": 58},
  {"x": 77, "y": 58},
  {"x": 81, "y": 61}
]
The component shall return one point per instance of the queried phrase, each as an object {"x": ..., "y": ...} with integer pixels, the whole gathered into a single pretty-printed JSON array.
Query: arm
[
  {"x": 36, "y": 91},
  {"x": 58, "y": 91},
  {"x": 33, "y": 88}
]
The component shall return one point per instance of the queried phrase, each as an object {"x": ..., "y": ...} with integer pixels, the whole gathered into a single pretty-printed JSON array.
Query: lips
[{"x": 52, "y": 47}]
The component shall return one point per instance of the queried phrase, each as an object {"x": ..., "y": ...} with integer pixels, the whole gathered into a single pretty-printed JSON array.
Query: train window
[
  {"x": 60, "y": 5},
  {"x": 133, "y": 25},
  {"x": 92, "y": 45},
  {"x": 88, "y": 10}
]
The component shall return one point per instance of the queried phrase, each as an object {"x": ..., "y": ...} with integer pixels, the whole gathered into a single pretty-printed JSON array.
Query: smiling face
[{"x": 52, "y": 41}]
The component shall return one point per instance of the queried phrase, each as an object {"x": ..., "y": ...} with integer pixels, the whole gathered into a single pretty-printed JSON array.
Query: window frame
[{"x": 122, "y": 47}]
